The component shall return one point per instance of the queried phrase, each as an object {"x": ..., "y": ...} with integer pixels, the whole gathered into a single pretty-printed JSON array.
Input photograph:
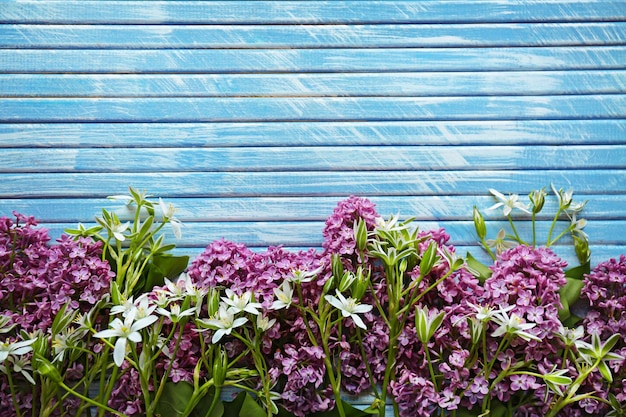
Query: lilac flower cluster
[
  {"x": 529, "y": 279},
  {"x": 605, "y": 291},
  {"x": 37, "y": 279}
]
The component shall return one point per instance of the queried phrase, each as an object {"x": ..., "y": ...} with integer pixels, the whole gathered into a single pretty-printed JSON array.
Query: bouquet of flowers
[{"x": 108, "y": 322}]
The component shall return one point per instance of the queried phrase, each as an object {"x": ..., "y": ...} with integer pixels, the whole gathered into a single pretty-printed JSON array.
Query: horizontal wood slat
[
  {"x": 302, "y": 208},
  {"x": 311, "y": 36},
  {"x": 312, "y": 109},
  {"x": 309, "y": 12},
  {"x": 320, "y": 158},
  {"x": 396, "y": 84},
  {"x": 299, "y": 233},
  {"x": 312, "y": 60},
  {"x": 333, "y": 184},
  {"x": 402, "y": 133}
]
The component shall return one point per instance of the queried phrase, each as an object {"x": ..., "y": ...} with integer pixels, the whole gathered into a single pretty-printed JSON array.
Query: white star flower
[
  {"x": 224, "y": 323},
  {"x": 349, "y": 307},
  {"x": 513, "y": 325},
  {"x": 284, "y": 296},
  {"x": 168, "y": 211},
  {"x": 15, "y": 348},
  {"x": 124, "y": 331},
  {"x": 509, "y": 203},
  {"x": 239, "y": 303}
]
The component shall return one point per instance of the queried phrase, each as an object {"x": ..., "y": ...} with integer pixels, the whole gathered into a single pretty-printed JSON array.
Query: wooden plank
[
  {"x": 308, "y": 12},
  {"x": 503, "y": 132},
  {"x": 319, "y": 158},
  {"x": 218, "y": 109},
  {"x": 309, "y": 234},
  {"x": 396, "y": 84},
  {"x": 312, "y": 60},
  {"x": 334, "y": 184},
  {"x": 310, "y": 36},
  {"x": 298, "y": 208}
]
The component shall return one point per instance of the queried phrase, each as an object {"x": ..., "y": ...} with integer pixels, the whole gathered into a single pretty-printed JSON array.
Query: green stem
[
  {"x": 13, "y": 394},
  {"x": 430, "y": 367},
  {"x": 214, "y": 401},
  {"x": 532, "y": 219},
  {"x": 517, "y": 238},
  {"x": 102, "y": 407},
  {"x": 554, "y": 220}
]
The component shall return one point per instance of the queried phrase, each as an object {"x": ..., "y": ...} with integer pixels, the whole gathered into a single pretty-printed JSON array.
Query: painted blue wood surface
[
  {"x": 256, "y": 117},
  {"x": 310, "y": 12},
  {"x": 345, "y": 133},
  {"x": 312, "y": 36},
  {"x": 342, "y": 60}
]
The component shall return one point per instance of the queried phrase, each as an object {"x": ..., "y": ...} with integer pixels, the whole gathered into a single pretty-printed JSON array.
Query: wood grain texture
[
  {"x": 309, "y": 12},
  {"x": 311, "y": 60},
  {"x": 333, "y": 184},
  {"x": 391, "y": 84},
  {"x": 310, "y": 36},
  {"x": 319, "y": 158},
  {"x": 244, "y": 134},
  {"x": 238, "y": 109}
]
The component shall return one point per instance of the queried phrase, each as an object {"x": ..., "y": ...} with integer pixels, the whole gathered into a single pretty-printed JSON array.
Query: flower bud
[
  {"x": 360, "y": 234},
  {"x": 537, "y": 198},
  {"x": 220, "y": 367},
  {"x": 45, "y": 368},
  {"x": 337, "y": 266},
  {"x": 213, "y": 302},
  {"x": 329, "y": 285},
  {"x": 479, "y": 224},
  {"x": 346, "y": 281},
  {"x": 359, "y": 287},
  {"x": 429, "y": 258},
  {"x": 116, "y": 295},
  {"x": 581, "y": 246}
]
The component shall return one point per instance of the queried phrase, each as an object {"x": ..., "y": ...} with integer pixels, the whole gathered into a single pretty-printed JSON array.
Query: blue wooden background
[{"x": 256, "y": 117}]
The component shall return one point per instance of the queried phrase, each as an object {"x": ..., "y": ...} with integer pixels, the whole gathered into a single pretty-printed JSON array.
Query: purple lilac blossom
[
  {"x": 37, "y": 279},
  {"x": 605, "y": 291}
]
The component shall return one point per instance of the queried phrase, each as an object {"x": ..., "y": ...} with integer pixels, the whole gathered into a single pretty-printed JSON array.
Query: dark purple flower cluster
[
  {"x": 338, "y": 231},
  {"x": 300, "y": 371},
  {"x": 530, "y": 279},
  {"x": 37, "y": 279},
  {"x": 605, "y": 291}
]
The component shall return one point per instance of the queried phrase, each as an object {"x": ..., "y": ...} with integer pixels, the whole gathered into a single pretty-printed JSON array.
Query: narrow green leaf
[
  {"x": 570, "y": 294},
  {"x": 579, "y": 271},
  {"x": 480, "y": 270},
  {"x": 605, "y": 371}
]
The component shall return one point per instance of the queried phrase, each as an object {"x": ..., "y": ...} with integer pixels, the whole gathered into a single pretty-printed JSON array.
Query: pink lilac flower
[
  {"x": 299, "y": 372},
  {"x": 529, "y": 279},
  {"x": 415, "y": 395},
  {"x": 604, "y": 290},
  {"x": 38, "y": 278}
]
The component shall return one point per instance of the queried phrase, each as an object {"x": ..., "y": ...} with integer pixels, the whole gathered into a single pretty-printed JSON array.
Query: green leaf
[
  {"x": 477, "y": 267},
  {"x": 174, "y": 399},
  {"x": 570, "y": 293},
  {"x": 161, "y": 267},
  {"x": 605, "y": 371},
  {"x": 250, "y": 408},
  {"x": 579, "y": 271},
  {"x": 176, "y": 396}
]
